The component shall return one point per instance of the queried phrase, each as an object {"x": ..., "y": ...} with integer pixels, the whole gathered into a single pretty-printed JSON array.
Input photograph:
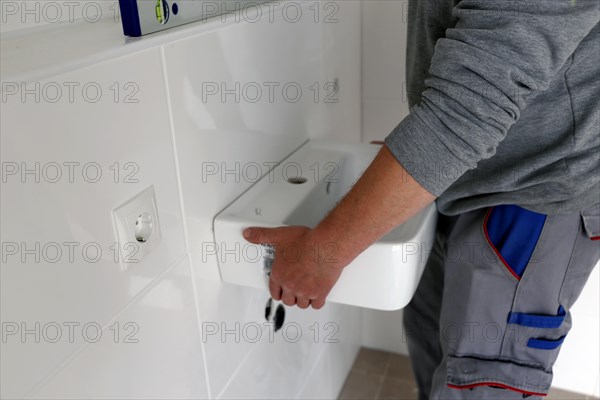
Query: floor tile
[
  {"x": 374, "y": 361},
  {"x": 400, "y": 368},
  {"x": 557, "y": 394},
  {"x": 397, "y": 389},
  {"x": 361, "y": 385}
]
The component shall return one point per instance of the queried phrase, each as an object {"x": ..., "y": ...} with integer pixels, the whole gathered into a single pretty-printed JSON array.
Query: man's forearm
[{"x": 383, "y": 198}]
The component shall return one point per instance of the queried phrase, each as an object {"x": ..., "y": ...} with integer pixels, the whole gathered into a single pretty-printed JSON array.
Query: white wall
[
  {"x": 156, "y": 314},
  {"x": 22, "y": 16},
  {"x": 383, "y": 55},
  {"x": 384, "y": 106}
]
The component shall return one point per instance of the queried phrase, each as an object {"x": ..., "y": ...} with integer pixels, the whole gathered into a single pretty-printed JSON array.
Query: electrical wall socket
[{"x": 137, "y": 228}]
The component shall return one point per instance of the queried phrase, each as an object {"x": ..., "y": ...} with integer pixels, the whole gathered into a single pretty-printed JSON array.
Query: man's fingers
[
  {"x": 260, "y": 235},
  {"x": 275, "y": 290},
  {"x": 302, "y": 302},
  {"x": 288, "y": 298},
  {"x": 318, "y": 303}
]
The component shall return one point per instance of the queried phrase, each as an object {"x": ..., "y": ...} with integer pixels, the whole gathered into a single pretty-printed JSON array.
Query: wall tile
[
  {"x": 152, "y": 351},
  {"x": 113, "y": 131},
  {"x": 37, "y": 14},
  {"x": 381, "y": 116},
  {"x": 335, "y": 362},
  {"x": 220, "y": 139},
  {"x": 384, "y": 48},
  {"x": 283, "y": 366}
]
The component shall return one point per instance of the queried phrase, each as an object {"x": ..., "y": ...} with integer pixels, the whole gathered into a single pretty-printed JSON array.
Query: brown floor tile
[
  {"x": 397, "y": 389},
  {"x": 558, "y": 394},
  {"x": 361, "y": 385},
  {"x": 370, "y": 360},
  {"x": 399, "y": 368}
]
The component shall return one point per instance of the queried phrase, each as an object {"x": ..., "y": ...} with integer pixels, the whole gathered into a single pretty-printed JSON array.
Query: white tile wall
[
  {"x": 279, "y": 367},
  {"x": 164, "y": 294},
  {"x": 330, "y": 371},
  {"x": 20, "y": 16},
  {"x": 65, "y": 288},
  {"x": 153, "y": 352},
  {"x": 383, "y": 73},
  {"x": 230, "y": 134},
  {"x": 383, "y": 330}
]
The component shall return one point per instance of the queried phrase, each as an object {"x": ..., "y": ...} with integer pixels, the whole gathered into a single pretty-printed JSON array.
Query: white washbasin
[{"x": 384, "y": 276}]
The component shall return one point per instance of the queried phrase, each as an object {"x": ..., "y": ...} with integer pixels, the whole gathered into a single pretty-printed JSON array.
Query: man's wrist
[{"x": 331, "y": 250}]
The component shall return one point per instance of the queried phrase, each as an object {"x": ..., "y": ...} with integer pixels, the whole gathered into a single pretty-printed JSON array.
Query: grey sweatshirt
[{"x": 505, "y": 103}]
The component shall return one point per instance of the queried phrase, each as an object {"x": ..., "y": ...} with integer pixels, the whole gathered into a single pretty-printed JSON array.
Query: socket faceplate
[{"x": 126, "y": 219}]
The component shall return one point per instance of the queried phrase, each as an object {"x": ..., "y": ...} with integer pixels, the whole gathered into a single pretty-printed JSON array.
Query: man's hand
[{"x": 304, "y": 270}]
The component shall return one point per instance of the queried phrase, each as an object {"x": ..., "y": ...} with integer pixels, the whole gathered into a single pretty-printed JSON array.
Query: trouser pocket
[
  {"x": 539, "y": 320},
  {"x": 507, "y": 296}
]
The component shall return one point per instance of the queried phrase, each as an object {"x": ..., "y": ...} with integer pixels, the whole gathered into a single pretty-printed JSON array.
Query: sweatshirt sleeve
[{"x": 482, "y": 72}]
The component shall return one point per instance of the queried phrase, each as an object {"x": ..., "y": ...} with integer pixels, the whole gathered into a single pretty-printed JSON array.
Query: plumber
[{"x": 503, "y": 135}]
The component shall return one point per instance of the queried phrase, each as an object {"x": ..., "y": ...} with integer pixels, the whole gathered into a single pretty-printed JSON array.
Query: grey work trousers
[{"x": 492, "y": 307}]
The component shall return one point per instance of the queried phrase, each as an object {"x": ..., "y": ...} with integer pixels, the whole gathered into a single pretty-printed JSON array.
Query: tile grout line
[
  {"x": 35, "y": 389},
  {"x": 310, "y": 373},
  {"x": 183, "y": 219},
  {"x": 234, "y": 374}
]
